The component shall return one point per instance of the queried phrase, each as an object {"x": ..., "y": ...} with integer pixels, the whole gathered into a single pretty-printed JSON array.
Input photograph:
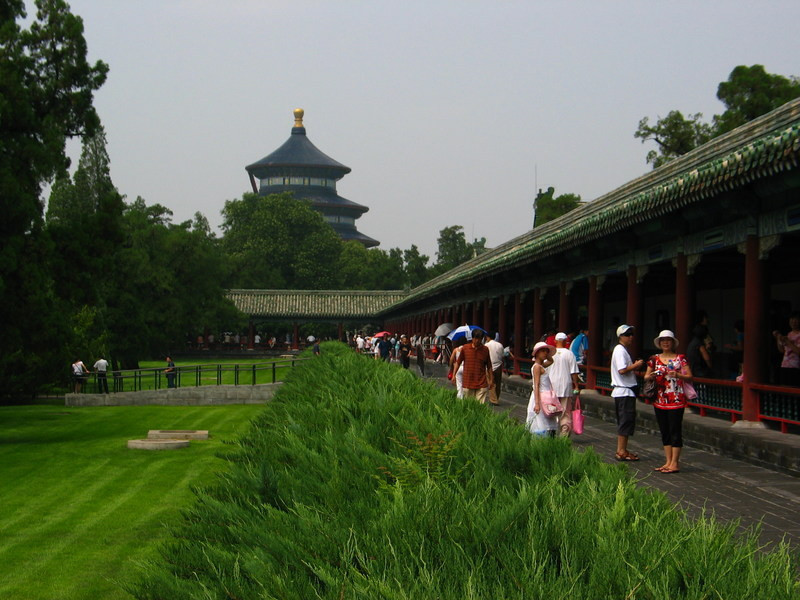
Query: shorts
[
  {"x": 626, "y": 414},
  {"x": 480, "y": 394}
]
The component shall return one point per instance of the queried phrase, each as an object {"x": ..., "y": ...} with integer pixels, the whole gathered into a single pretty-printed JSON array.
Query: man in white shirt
[
  {"x": 360, "y": 343},
  {"x": 564, "y": 377},
  {"x": 496, "y": 356},
  {"x": 101, "y": 367},
  {"x": 623, "y": 380}
]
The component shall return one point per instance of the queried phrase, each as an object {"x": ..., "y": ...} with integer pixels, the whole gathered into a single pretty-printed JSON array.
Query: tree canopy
[
  {"x": 46, "y": 93},
  {"x": 547, "y": 206},
  {"x": 454, "y": 249},
  {"x": 749, "y": 92}
]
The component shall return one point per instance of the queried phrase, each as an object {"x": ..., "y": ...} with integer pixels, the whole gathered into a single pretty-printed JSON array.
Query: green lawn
[{"x": 78, "y": 509}]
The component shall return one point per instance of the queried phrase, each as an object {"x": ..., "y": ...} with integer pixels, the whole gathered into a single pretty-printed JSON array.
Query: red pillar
[
  {"x": 538, "y": 313},
  {"x": 486, "y": 322},
  {"x": 517, "y": 330},
  {"x": 754, "y": 292},
  {"x": 634, "y": 311},
  {"x": 475, "y": 317},
  {"x": 501, "y": 320},
  {"x": 563, "y": 307},
  {"x": 340, "y": 332},
  {"x": 251, "y": 334},
  {"x": 594, "y": 354},
  {"x": 683, "y": 301},
  {"x": 295, "y": 336}
]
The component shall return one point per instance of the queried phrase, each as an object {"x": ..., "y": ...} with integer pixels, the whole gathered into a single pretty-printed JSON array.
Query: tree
[
  {"x": 748, "y": 93},
  {"x": 546, "y": 207},
  {"x": 416, "y": 267},
  {"x": 751, "y": 92},
  {"x": 174, "y": 277},
  {"x": 279, "y": 242},
  {"x": 46, "y": 94},
  {"x": 454, "y": 249},
  {"x": 674, "y": 134}
]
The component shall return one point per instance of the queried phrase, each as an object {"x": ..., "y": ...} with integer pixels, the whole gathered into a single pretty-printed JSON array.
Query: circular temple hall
[{"x": 298, "y": 166}]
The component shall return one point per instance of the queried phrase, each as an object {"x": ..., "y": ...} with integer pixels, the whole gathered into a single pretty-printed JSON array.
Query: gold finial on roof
[{"x": 298, "y": 117}]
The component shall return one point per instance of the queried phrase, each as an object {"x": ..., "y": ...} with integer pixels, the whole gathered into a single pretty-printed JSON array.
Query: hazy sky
[{"x": 448, "y": 113}]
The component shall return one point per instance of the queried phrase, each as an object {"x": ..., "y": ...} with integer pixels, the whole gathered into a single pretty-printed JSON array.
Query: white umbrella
[
  {"x": 311, "y": 338},
  {"x": 444, "y": 329},
  {"x": 465, "y": 331}
]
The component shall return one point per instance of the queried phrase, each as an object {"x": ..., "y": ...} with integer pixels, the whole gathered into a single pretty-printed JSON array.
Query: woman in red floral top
[{"x": 669, "y": 370}]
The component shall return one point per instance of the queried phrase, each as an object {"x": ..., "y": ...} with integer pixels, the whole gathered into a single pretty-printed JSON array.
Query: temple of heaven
[{"x": 300, "y": 167}]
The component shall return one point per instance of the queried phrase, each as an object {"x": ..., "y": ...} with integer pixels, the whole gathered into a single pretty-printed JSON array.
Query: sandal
[
  {"x": 627, "y": 456},
  {"x": 660, "y": 469},
  {"x": 668, "y": 471}
]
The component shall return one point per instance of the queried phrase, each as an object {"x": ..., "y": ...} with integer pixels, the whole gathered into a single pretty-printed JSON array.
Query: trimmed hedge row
[{"x": 361, "y": 481}]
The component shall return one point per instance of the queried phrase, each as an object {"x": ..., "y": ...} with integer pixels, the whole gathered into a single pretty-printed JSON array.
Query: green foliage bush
[{"x": 361, "y": 481}]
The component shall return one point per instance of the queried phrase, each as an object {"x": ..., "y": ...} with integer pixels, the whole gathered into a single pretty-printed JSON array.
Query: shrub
[{"x": 361, "y": 481}]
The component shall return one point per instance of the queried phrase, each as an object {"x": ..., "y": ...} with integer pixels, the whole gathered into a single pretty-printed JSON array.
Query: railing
[
  {"x": 779, "y": 404},
  {"x": 135, "y": 380},
  {"x": 775, "y": 403}
]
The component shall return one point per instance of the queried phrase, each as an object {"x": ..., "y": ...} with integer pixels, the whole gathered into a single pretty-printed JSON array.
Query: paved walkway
[{"x": 732, "y": 489}]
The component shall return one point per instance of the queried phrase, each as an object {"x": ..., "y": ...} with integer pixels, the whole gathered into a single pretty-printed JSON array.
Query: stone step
[
  {"x": 157, "y": 444},
  {"x": 177, "y": 434}
]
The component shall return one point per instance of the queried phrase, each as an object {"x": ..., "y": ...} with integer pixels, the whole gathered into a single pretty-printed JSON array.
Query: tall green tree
[
  {"x": 84, "y": 221},
  {"x": 174, "y": 276},
  {"x": 749, "y": 92},
  {"x": 547, "y": 206},
  {"x": 46, "y": 95},
  {"x": 453, "y": 249},
  {"x": 360, "y": 268},
  {"x": 416, "y": 266},
  {"x": 675, "y": 135},
  {"x": 279, "y": 242}
]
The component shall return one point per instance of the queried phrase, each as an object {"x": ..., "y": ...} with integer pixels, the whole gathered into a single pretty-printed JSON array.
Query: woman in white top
[
  {"x": 459, "y": 375},
  {"x": 538, "y": 421}
]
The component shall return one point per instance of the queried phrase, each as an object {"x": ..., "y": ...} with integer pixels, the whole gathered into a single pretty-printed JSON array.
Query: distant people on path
[
  {"x": 669, "y": 370},
  {"x": 101, "y": 368},
  {"x": 580, "y": 345},
  {"x": 420, "y": 350},
  {"x": 698, "y": 353},
  {"x": 170, "y": 372},
  {"x": 625, "y": 390},
  {"x": 789, "y": 346},
  {"x": 359, "y": 343},
  {"x": 383, "y": 349},
  {"x": 477, "y": 378},
  {"x": 508, "y": 358},
  {"x": 496, "y": 355},
  {"x": 538, "y": 420},
  {"x": 457, "y": 374},
  {"x": 737, "y": 350},
  {"x": 404, "y": 351},
  {"x": 315, "y": 346},
  {"x": 79, "y": 375},
  {"x": 564, "y": 379}
]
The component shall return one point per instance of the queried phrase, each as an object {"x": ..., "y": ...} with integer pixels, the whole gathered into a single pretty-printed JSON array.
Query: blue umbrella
[{"x": 464, "y": 332}]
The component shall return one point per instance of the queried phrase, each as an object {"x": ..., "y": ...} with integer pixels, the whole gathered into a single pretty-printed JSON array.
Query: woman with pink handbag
[
  {"x": 543, "y": 406},
  {"x": 673, "y": 377}
]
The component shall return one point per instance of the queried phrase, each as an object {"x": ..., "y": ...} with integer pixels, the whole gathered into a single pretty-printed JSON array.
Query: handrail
[{"x": 156, "y": 378}]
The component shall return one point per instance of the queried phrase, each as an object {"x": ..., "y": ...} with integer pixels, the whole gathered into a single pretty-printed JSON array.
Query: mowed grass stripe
[
  {"x": 110, "y": 502},
  {"x": 42, "y": 503},
  {"x": 123, "y": 560},
  {"x": 85, "y": 510}
]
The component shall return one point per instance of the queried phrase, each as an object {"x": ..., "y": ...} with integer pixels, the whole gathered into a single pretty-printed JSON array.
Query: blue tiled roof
[{"x": 297, "y": 151}]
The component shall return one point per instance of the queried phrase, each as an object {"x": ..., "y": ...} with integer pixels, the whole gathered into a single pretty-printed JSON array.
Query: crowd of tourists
[{"x": 477, "y": 361}]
